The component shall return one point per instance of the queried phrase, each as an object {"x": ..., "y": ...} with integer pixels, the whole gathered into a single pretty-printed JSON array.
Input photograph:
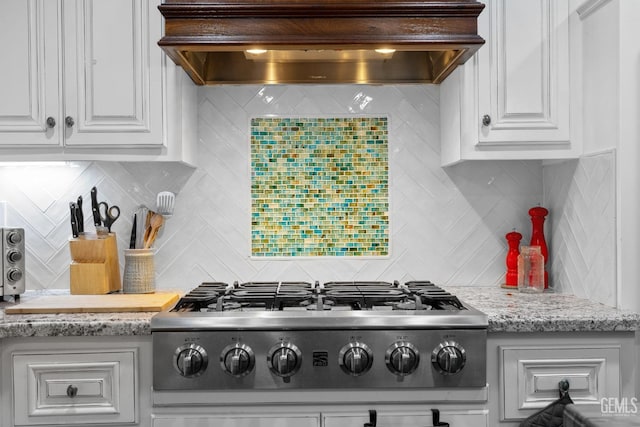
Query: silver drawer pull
[{"x": 72, "y": 391}]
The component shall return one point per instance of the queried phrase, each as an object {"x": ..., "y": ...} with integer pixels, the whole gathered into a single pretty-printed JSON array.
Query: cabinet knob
[
  {"x": 69, "y": 121},
  {"x": 486, "y": 120},
  {"x": 72, "y": 391},
  {"x": 51, "y": 122}
]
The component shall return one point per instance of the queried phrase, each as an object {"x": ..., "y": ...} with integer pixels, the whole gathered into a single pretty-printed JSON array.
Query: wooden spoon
[{"x": 155, "y": 223}]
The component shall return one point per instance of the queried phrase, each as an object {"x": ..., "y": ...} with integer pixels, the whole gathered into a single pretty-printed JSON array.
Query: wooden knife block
[{"x": 94, "y": 269}]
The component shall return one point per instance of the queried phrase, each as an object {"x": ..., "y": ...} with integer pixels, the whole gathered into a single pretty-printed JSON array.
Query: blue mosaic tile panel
[{"x": 319, "y": 187}]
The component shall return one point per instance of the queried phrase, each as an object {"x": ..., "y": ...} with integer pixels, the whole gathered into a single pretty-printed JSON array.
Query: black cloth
[{"x": 549, "y": 416}]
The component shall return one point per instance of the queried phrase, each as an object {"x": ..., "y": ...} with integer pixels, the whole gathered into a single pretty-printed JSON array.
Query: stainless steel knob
[
  {"x": 14, "y": 256},
  {"x": 72, "y": 391},
  {"x": 402, "y": 358},
  {"x": 69, "y": 121},
  {"x": 190, "y": 360},
  {"x": 237, "y": 360},
  {"x": 284, "y": 359},
  {"x": 14, "y": 237},
  {"x": 51, "y": 122},
  {"x": 14, "y": 274},
  {"x": 355, "y": 358},
  {"x": 486, "y": 120},
  {"x": 449, "y": 357}
]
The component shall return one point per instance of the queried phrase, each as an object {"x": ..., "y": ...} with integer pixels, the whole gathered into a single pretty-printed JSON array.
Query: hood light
[
  {"x": 256, "y": 51},
  {"x": 318, "y": 55}
]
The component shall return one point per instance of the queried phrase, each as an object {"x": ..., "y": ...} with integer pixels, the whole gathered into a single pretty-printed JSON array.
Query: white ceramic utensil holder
[{"x": 139, "y": 271}]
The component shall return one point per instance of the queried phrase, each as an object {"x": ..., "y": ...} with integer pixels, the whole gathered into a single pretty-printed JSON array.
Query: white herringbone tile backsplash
[
  {"x": 581, "y": 195},
  {"x": 447, "y": 225}
]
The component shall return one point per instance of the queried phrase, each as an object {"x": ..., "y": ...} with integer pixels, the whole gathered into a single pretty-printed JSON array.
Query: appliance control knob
[
  {"x": 190, "y": 360},
  {"x": 402, "y": 358},
  {"x": 449, "y": 357},
  {"x": 237, "y": 360},
  {"x": 14, "y": 237},
  {"x": 14, "y": 274},
  {"x": 14, "y": 256},
  {"x": 284, "y": 359},
  {"x": 355, "y": 358}
]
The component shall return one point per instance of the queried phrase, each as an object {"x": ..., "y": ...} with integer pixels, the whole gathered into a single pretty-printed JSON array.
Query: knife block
[{"x": 94, "y": 269}]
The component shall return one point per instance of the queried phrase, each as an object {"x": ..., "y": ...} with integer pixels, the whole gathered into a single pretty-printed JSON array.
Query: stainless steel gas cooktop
[{"x": 300, "y": 335}]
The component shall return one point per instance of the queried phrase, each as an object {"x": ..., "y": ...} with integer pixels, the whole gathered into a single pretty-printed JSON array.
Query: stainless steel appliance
[
  {"x": 310, "y": 336},
  {"x": 12, "y": 262}
]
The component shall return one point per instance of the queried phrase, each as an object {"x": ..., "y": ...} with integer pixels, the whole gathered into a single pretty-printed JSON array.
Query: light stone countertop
[
  {"x": 511, "y": 311},
  {"x": 507, "y": 311}
]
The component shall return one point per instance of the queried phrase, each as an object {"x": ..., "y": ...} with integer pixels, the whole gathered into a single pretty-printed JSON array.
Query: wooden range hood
[{"x": 320, "y": 41}]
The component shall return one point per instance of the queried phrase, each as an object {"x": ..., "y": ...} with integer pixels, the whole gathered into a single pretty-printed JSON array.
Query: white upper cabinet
[
  {"x": 112, "y": 71},
  {"x": 514, "y": 99},
  {"x": 29, "y": 92},
  {"x": 88, "y": 78}
]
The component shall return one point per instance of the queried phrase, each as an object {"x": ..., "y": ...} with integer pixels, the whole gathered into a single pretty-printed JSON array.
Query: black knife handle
[
  {"x": 94, "y": 207},
  {"x": 74, "y": 224},
  {"x": 80, "y": 215},
  {"x": 132, "y": 241}
]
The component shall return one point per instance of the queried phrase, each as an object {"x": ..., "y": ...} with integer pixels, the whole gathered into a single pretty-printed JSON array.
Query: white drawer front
[
  {"x": 531, "y": 374},
  {"x": 74, "y": 388}
]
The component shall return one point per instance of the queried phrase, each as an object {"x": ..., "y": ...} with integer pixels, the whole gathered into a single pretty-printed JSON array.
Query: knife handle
[
  {"x": 132, "y": 240},
  {"x": 94, "y": 207},
  {"x": 74, "y": 224},
  {"x": 79, "y": 215}
]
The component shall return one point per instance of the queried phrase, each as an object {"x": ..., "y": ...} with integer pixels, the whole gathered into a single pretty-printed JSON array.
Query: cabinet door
[
  {"x": 74, "y": 388},
  {"x": 311, "y": 420},
  {"x": 29, "y": 83},
  {"x": 530, "y": 376},
  {"x": 455, "y": 417},
  {"x": 523, "y": 72},
  {"x": 112, "y": 73}
]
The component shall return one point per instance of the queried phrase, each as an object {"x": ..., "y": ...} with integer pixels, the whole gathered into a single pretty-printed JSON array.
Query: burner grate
[{"x": 353, "y": 295}]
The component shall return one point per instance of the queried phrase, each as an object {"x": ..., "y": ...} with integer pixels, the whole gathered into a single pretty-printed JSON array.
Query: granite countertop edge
[{"x": 506, "y": 310}]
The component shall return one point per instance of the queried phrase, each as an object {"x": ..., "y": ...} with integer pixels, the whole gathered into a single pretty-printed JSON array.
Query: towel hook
[
  {"x": 373, "y": 418},
  {"x": 563, "y": 387}
]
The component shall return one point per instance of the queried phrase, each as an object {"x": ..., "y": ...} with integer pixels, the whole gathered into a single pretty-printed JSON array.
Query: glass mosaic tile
[{"x": 319, "y": 187}]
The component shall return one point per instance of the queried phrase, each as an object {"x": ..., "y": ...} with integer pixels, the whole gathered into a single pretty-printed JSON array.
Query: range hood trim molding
[{"x": 322, "y": 9}]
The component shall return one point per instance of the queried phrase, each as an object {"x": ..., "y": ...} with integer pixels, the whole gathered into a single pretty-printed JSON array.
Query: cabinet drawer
[
  {"x": 530, "y": 376},
  {"x": 74, "y": 388}
]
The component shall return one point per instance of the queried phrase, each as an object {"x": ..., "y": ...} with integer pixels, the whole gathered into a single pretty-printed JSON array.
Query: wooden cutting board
[{"x": 109, "y": 303}]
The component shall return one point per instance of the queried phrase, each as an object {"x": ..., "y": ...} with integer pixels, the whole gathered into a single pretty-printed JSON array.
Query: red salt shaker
[
  {"x": 513, "y": 239},
  {"x": 538, "y": 215}
]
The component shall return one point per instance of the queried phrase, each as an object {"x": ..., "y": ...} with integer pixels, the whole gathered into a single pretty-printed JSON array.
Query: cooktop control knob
[
  {"x": 237, "y": 360},
  {"x": 13, "y": 237},
  {"x": 14, "y": 274},
  {"x": 14, "y": 256},
  {"x": 284, "y": 359},
  {"x": 402, "y": 358},
  {"x": 190, "y": 360},
  {"x": 355, "y": 358},
  {"x": 449, "y": 357}
]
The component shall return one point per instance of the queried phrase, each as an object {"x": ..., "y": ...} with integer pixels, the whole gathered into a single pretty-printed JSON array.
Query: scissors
[{"x": 108, "y": 214}]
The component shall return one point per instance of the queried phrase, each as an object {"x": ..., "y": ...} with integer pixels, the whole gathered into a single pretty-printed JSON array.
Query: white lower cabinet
[
  {"x": 312, "y": 420},
  {"x": 531, "y": 375},
  {"x": 75, "y": 381},
  {"x": 75, "y": 387},
  {"x": 409, "y": 418},
  {"x": 528, "y": 368},
  {"x": 455, "y": 418}
]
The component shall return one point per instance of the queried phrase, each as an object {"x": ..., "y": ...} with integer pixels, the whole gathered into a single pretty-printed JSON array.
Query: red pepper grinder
[
  {"x": 513, "y": 239},
  {"x": 537, "y": 236}
]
